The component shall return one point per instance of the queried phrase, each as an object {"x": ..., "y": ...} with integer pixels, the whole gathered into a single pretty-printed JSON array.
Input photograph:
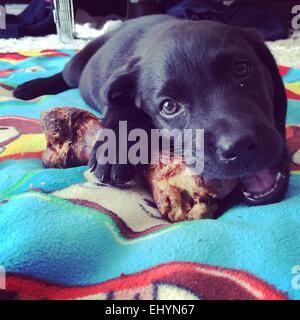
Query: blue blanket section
[
  {"x": 80, "y": 247},
  {"x": 293, "y": 114}
]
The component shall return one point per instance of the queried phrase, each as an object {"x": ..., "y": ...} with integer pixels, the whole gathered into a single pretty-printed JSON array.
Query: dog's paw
[
  {"x": 110, "y": 174},
  {"x": 28, "y": 90}
]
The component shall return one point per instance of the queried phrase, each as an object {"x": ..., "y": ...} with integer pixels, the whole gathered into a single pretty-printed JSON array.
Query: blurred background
[{"x": 73, "y": 22}]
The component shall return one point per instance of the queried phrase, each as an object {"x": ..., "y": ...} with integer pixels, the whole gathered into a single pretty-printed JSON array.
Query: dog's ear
[
  {"x": 279, "y": 93},
  {"x": 120, "y": 88}
]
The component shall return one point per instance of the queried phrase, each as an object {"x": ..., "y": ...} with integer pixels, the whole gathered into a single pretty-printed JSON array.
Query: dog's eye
[
  {"x": 241, "y": 68},
  {"x": 170, "y": 108}
]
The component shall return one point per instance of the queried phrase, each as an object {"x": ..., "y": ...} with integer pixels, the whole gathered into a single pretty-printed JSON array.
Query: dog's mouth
[{"x": 264, "y": 186}]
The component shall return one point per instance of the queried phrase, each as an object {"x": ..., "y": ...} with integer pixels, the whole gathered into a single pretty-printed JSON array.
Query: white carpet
[
  {"x": 287, "y": 52},
  {"x": 53, "y": 41}
]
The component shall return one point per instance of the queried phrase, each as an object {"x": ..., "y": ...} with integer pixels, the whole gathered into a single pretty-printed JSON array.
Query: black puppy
[{"x": 186, "y": 74}]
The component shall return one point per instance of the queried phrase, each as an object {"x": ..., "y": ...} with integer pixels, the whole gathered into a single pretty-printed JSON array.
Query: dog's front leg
[{"x": 109, "y": 159}]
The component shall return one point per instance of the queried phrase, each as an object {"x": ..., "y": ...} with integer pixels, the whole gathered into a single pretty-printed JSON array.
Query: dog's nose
[{"x": 236, "y": 148}]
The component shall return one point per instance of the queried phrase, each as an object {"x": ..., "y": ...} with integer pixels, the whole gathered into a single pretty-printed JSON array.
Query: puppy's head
[{"x": 206, "y": 75}]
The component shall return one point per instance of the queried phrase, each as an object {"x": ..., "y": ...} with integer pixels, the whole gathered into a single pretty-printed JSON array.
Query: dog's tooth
[
  {"x": 278, "y": 176},
  {"x": 247, "y": 194}
]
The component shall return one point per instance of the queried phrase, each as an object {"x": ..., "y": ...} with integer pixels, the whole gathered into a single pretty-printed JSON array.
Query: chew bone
[
  {"x": 71, "y": 134},
  {"x": 179, "y": 195}
]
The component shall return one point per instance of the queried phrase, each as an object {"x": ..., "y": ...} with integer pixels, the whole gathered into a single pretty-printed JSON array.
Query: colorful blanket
[{"x": 62, "y": 236}]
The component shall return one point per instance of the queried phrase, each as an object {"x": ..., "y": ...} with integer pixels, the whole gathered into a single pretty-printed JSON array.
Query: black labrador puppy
[{"x": 186, "y": 74}]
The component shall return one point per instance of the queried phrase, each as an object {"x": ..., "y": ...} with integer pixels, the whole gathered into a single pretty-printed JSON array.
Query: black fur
[{"x": 128, "y": 72}]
